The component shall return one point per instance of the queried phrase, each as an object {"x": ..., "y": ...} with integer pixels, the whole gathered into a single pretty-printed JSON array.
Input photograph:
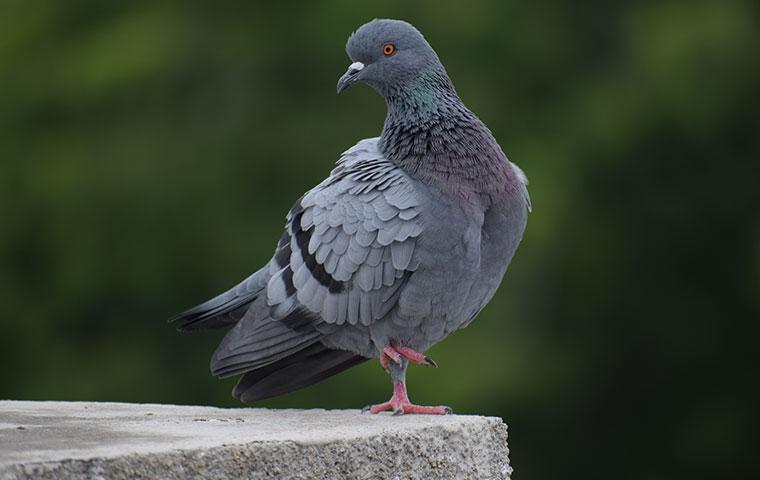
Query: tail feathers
[
  {"x": 225, "y": 309},
  {"x": 256, "y": 342},
  {"x": 301, "y": 369}
]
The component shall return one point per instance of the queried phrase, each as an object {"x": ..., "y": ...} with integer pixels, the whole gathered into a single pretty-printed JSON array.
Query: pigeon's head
[{"x": 391, "y": 56}]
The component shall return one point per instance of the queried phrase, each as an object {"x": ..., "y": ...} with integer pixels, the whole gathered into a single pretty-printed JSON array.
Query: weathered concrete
[{"x": 117, "y": 440}]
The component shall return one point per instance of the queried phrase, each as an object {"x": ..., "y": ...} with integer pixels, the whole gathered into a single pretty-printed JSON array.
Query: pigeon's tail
[
  {"x": 276, "y": 356},
  {"x": 301, "y": 369},
  {"x": 225, "y": 309}
]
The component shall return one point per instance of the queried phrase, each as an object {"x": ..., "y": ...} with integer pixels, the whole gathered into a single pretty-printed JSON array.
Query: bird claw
[{"x": 430, "y": 362}]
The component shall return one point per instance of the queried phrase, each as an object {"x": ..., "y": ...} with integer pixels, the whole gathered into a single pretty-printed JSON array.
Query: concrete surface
[{"x": 43, "y": 440}]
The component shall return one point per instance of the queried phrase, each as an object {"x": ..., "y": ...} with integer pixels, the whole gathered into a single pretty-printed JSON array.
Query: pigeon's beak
[{"x": 350, "y": 77}]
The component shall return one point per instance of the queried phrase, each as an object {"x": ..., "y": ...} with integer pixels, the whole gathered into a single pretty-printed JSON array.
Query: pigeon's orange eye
[{"x": 389, "y": 49}]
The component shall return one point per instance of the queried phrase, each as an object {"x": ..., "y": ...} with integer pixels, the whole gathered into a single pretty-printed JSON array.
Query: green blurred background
[{"x": 149, "y": 152}]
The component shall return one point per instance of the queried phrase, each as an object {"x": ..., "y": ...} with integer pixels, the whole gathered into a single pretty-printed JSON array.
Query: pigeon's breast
[
  {"x": 503, "y": 228},
  {"x": 462, "y": 264}
]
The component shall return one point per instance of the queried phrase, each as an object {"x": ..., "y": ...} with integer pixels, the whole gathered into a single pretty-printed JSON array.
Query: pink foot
[
  {"x": 416, "y": 357},
  {"x": 399, "y": 404},
  {"x": 394, "y": 354}
]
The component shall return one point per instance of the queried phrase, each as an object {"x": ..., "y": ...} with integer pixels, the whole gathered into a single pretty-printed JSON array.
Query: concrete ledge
[{"x": 43, "y": 440}]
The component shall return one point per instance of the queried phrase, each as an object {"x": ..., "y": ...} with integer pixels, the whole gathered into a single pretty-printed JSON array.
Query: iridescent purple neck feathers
[{"x": 431, "y": 134}]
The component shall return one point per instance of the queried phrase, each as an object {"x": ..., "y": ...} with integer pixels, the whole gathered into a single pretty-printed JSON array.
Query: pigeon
[{"x": 403, "y": 243}]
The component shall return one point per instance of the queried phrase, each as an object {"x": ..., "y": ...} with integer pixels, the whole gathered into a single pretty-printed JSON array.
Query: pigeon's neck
[{"x": 436, "y": 139}]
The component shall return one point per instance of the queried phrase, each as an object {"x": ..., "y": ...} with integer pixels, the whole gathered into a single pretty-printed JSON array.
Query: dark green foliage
[{"x": 149, "y": 153}]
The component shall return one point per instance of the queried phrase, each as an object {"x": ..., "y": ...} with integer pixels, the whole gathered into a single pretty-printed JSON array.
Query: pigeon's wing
[{"x": 349, "y": 244}]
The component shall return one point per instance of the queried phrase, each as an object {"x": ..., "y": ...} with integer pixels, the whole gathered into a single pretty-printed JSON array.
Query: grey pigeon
[{"x": 405, "y": 241}]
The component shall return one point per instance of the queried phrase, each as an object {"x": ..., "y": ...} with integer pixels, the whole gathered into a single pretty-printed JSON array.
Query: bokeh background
[{"x": 149, "y": 152}]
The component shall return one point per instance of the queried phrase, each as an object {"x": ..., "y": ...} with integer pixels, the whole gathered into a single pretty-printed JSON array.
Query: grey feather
[
  {"x": 401, "y": 252},
  {"x": 356, "y": 252},
  {"x": 276, "y": 291},
  {"x": 331, "y": 264},
  {"x": 375, "y": 256}
]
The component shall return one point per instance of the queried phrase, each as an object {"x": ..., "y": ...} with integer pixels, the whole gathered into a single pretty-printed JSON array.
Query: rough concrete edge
[{"x": 484, "y": 455}]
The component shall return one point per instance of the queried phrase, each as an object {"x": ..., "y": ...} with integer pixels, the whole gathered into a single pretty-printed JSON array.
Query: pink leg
[
  {"x": 399, "y": 404},
  {"x": 384, "y": 361},
  {"x": 390, "y": 354}
]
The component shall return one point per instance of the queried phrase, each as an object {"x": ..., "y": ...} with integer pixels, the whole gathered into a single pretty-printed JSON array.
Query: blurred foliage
[{"x": 149, "y": 152}]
